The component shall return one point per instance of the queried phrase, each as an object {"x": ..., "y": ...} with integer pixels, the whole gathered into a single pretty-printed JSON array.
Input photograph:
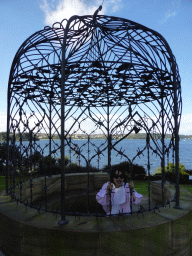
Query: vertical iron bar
[
  {"x": 130, "y": 189},
  {"x": 98, "y": 160},
  {"x": 7, "y": 146},
  {"x": 45, "y": 185},
  {"x": 63, "y": 220},
  {"x": 70, "y": 150},
  {"x": 50, "y": 116},
  {"x": 163, "y": 144},
  {"x": 63, "y": 100},
  {"x": 109, "y": 149},
  {"x": 7, "y": 166},
  {"x": 148, "y": 169},
  {"x": 21, "y": 168},
  {"x": 30, "y": 167},
  {"x": 176, "y": 136},
  {"x": 13, "y": 162},
  {"x": 109, "y": 140},
  {"x": 88, "y": 198}
]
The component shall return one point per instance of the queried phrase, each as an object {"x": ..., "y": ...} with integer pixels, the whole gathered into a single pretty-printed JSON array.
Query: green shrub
[
  {"x": 136, "y": 172},
  {"x": 52, "y": 165},
  {"x": 74, "y": 167},
  {"x": 170, "y": 173},
  {"x": 2, "y": 169},
  {"x": 14, "y": 157},
  {"x": 66, "y": 160},
  {"x": 123, "y": 166},
  {"x": 184, "y": 177}
]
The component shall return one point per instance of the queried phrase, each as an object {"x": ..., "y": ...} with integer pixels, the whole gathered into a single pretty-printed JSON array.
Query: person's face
[{"x": 118, "y": 179}]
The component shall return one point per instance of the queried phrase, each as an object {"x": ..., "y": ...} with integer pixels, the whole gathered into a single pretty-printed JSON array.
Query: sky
[{"x": 19, "y": 19}]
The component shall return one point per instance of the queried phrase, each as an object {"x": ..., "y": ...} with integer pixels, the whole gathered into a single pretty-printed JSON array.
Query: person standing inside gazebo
[{"x": 119, "y": 192}]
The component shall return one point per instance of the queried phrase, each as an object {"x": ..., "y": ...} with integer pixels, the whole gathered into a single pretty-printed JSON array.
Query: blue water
[{"x": 129, "y": 149}]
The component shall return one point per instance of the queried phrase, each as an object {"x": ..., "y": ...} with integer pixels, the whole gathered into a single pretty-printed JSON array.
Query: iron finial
[{"x": 97, "y": 11}]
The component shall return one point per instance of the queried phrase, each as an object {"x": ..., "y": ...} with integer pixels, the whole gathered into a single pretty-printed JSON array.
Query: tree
[
  {"x": 14, "y": 156},
  {"x": 3, "y": 136}
]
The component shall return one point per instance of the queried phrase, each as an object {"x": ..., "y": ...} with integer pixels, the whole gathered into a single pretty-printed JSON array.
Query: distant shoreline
[{"x": 42, "y": 136}]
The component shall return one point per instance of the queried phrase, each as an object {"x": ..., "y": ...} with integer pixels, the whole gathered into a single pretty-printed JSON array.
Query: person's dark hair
[{"x": 112, "y": 174}]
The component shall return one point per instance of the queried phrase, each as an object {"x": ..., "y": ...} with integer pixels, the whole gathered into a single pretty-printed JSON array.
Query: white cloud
[
  {"x": 114, "y": 5},
  {"x": 3, "y": 123},
  {"x": 172, "y": 10},
  {"x": 170, "y": 14},
  {"x": 185, "y": 127},
  {"x": 67, "y": 8},
  {"x": 186, "y": 124}
]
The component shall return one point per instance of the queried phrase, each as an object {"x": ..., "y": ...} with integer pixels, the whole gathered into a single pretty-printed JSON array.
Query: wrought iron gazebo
[{"x": 90, "y": 77}]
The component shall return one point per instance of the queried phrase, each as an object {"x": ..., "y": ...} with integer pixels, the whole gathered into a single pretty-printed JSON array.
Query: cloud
[
  {"x": 67, "y": 8},
  {"x": 169, "y": 15},
  {"x": 112, "y": 5},
  {"x": 172, "y": 10},
  {"x": 185, "y": 127},
  {"x": 186, "y": 124},
  {"x": 3, "y": 123}
]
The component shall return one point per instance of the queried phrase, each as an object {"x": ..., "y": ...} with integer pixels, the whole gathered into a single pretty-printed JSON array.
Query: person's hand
[
  {"x": 109, "y": 187},
  {"x": 131, "y": 184}
]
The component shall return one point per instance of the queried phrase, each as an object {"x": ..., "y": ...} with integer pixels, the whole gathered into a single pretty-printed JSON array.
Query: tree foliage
[
  {"x": 24, "y": 136},
  {"x": 133, "y": 171}
]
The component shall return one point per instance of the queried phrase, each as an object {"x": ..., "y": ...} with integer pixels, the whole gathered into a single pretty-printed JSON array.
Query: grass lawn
[
  {"x": 141, "y": 187},
  {"x": 2, "y": 182},
  {"x": 187, "y": 187}
]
